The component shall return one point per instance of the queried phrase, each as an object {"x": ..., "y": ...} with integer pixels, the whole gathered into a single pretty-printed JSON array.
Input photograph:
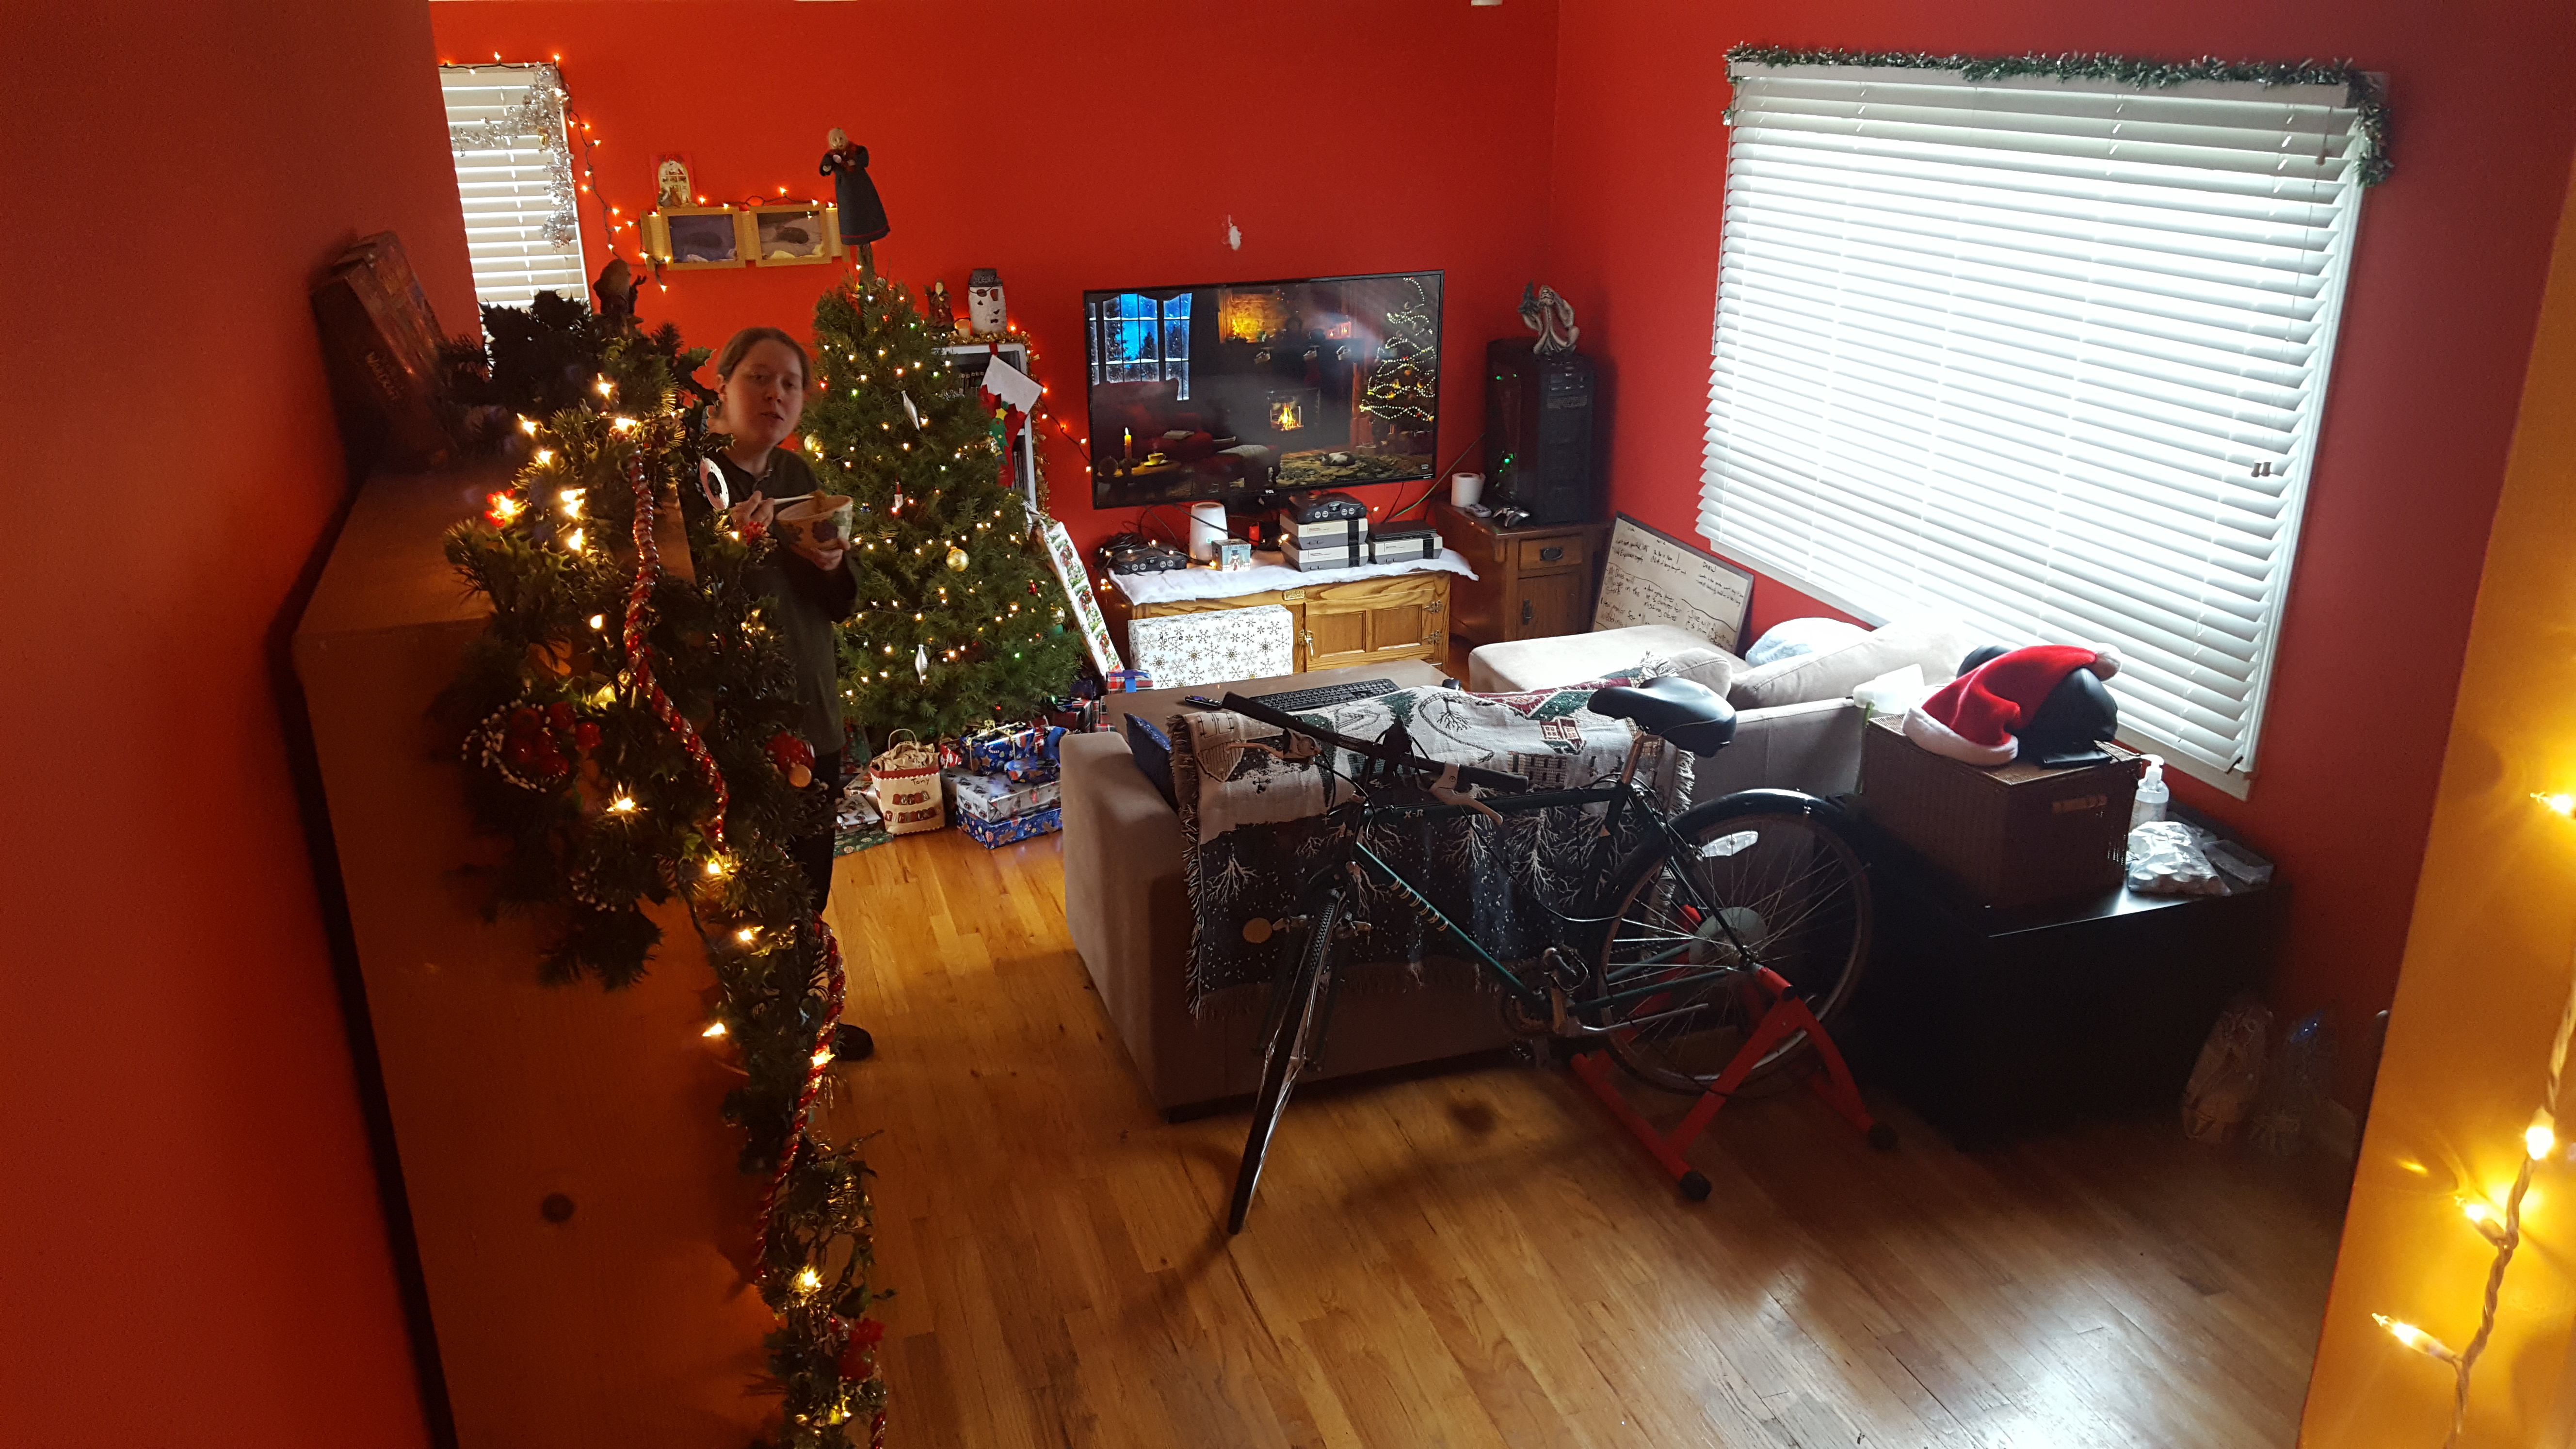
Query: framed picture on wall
[
  {"x": 794, "y": 233},
  {"x": 683, "y": 238}
]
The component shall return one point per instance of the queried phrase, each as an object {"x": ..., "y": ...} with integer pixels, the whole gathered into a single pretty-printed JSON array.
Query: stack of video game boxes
[
  {"x": 1007, "y": 788},
  {"x": 1324, "y": 531}
]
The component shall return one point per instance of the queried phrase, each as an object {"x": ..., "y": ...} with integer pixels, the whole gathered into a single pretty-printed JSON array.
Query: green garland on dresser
[
  {"x": 2360, "y": 90},
  {"x": 605, "y": 806}
]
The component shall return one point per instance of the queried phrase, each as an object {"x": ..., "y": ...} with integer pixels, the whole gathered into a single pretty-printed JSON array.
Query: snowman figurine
[{"x": 985, "y": 313}]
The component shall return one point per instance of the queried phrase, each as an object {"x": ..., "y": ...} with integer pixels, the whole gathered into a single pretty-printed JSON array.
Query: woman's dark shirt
[{"x": 805, "y": 601}]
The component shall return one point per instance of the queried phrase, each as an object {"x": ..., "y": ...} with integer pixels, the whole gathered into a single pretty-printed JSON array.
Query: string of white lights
[{"x": 2501, "y": 1228}]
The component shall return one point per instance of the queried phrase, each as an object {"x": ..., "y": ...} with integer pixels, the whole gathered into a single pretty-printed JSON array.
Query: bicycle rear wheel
[
  {"x": 1762, "y": 883},
  {"x": 1296, "y": 1023}
]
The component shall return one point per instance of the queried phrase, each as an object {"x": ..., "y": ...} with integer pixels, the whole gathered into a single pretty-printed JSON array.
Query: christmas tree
[
  {"x": 960, "y": 621},
  {"x": 1403, "y": 385}
]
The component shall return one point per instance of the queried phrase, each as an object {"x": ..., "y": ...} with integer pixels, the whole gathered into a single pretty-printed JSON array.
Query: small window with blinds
[
  {"x": 2043, "y": 355},
  {"x": 514, "y": 172}
]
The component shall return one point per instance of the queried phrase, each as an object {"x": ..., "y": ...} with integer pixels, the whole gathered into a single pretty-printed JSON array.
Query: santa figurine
[
  {"x": 2045, "y": 703},
  {"x": 863, "y": 218},
  {"x": 936, "y": 307}
]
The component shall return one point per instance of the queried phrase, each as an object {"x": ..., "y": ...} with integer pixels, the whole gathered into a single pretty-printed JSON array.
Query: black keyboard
[{"x": 1325, "y": 696}]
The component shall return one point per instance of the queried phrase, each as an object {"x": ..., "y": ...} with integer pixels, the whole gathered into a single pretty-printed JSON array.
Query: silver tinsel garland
[{"x": 538, "y": 117}]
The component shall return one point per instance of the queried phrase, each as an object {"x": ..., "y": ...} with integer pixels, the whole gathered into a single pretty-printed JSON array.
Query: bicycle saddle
[{"x": 1687, "y": 713}]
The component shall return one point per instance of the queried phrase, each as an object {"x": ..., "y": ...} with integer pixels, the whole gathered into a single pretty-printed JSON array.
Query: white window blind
[
  {"x": 2045, "y": 356},
  {"x": 514, "y": 172}
]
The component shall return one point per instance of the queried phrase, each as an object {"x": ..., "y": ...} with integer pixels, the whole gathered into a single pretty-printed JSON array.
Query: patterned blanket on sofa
[{"x": 1253, "y": 828}]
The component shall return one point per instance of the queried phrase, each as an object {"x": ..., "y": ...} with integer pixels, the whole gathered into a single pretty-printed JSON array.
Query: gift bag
[{"x": 904, "y": 781}]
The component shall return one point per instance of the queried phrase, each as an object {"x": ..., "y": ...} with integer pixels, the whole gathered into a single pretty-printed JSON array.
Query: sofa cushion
[
  {"x": 1935, "y": 644},
  {"x": 1559, "y": 660},
  {"x": 1152, "y": 750}
]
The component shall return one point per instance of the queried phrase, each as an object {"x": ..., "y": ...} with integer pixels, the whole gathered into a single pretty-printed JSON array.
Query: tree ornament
[
  {"x": 956, "y": 559},
  {"x": 921, "y": 661},
  {"x": 859, "y": 1356},
  {"x": 793, "y": 757}
]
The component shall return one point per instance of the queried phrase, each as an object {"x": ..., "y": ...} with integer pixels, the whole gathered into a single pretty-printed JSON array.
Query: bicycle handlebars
[{"x": 1467, "y": 774}]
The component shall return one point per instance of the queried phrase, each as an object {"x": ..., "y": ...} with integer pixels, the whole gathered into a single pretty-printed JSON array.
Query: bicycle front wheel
[
  {"x": 1755, "y": 883},
  {"x": 1296, "y": 1027}
]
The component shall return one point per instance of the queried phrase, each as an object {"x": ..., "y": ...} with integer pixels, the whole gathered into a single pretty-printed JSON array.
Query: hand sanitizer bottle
[{"x": 2152, "y": 794}]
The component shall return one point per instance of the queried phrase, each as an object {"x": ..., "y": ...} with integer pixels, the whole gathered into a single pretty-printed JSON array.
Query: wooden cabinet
[
  {"x": 1532, "y": 581},
  {"x": 1361, "y": 621}
]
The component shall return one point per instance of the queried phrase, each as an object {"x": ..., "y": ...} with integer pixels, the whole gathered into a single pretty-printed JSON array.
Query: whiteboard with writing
[{"x": 1652, "y": 577}]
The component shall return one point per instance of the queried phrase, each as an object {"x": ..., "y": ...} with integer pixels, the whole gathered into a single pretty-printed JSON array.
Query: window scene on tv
[{"x": 1202, "y": 392}]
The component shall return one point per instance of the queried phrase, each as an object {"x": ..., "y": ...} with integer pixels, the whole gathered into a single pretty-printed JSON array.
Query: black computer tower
[{"x": 1539, "y": 453}]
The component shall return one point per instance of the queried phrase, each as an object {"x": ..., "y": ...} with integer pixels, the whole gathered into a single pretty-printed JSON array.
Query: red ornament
[
  {"x": 859, "y": 1355},
  {"x": 586, "y": 735},
  {"x": 793, "y": 757}
]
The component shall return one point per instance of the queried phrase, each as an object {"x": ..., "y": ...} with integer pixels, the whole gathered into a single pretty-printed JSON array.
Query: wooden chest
[{"x": 1357, "y": 621}]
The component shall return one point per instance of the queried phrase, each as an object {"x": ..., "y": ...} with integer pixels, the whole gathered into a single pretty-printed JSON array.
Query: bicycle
[{"x": 1668, "y": 952}]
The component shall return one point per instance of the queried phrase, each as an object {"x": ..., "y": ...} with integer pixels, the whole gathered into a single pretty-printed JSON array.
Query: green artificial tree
[{"x": 960, "y": 622}]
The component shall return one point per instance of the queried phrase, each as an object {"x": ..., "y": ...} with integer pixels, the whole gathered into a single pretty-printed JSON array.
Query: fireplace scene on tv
[{"x": 1205, "y": 392}]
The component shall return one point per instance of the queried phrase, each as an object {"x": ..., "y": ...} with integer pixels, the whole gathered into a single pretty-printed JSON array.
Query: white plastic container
[{"x": 2153, "y": 794}]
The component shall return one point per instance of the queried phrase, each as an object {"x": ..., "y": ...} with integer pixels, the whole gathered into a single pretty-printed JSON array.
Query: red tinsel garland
[{"x": 639, "y": 668}]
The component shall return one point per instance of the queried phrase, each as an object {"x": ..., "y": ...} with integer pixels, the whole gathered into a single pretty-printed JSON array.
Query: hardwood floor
[{"x": 1482, "y": 1258}]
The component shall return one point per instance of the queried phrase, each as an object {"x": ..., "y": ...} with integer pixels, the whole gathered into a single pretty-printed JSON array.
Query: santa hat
[{"x": 1978, "y": 717}]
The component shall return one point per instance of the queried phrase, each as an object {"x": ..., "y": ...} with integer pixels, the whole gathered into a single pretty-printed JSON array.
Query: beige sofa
[
  {"x": 1127, "y": 906},
  {"x": 1795, "y": 725},
  {"x": 1128, "y": 911}
]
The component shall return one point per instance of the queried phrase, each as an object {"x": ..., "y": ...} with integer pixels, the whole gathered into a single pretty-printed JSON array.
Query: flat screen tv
[{"x": 1227, "y": 391}]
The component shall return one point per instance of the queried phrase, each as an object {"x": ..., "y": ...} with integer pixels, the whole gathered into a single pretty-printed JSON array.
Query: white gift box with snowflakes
[{"x": 1215, "y": 646}]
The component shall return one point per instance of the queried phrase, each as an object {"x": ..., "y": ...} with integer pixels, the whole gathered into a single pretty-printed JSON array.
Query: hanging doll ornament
[{"x": 863, "y": 218}]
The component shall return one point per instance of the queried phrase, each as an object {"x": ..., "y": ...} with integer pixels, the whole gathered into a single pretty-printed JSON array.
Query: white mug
[{"x": 1466, "y": 488}]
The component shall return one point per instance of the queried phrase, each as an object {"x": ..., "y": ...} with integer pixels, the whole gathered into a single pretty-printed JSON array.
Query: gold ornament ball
[{"x": 956, "y": 559}]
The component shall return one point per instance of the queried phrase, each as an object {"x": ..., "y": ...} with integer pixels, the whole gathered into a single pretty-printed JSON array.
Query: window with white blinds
[
  {"x": 514, "y": 171},
  {"x": 2045, "y": 356}
]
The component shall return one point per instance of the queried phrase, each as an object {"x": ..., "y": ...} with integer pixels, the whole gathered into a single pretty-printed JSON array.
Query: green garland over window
[{"x": 2360, "y": 91}]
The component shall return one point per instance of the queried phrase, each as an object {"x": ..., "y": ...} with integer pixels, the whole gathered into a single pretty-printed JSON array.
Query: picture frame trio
[{"x": 779, "y": 234}]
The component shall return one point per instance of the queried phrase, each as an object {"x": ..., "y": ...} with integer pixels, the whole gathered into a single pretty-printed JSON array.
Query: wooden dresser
[
  {"x": 1357, "y": 621},
  {"x": 1532, "y": 581}
]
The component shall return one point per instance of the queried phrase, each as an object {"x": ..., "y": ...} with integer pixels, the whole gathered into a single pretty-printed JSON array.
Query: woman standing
[{"x": 760, "y": 395}]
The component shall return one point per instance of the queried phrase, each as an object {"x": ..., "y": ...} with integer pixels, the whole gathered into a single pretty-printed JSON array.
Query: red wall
[
  {"x": 1083, "y": 146},
  {"x": 2436, "y": 329},
  {"x": 196, "y": 1251}
]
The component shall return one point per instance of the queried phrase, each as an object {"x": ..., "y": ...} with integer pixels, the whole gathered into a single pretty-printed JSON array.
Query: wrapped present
[
  {"x": 988, "y": 751},
  {"x": 998, "y": 797},
  {"x": 1129, "y": 681},
  {"x": 1215, "y": 645},
  {"x": 1030, "y": 772},
  {"x": 993, "y": 833}
]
